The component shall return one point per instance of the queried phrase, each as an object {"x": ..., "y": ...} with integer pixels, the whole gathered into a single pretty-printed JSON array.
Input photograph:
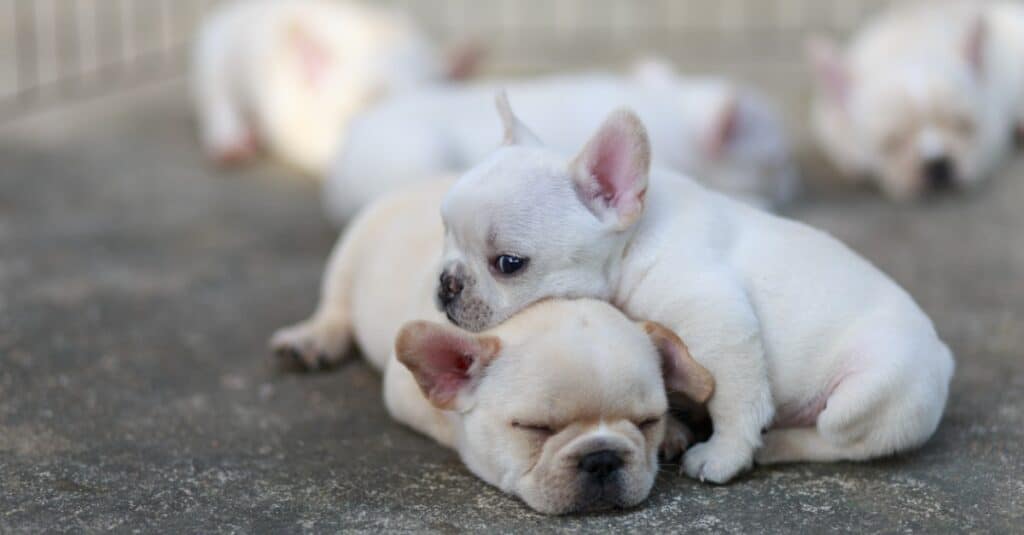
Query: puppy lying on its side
[
  {"x": 803, "y": 337},
  {"x": 289, "y": 74},
  {"x": 731, "y": 137},
  {"x": 562, "y": 405},
  {"x": 925, "y": 98}
]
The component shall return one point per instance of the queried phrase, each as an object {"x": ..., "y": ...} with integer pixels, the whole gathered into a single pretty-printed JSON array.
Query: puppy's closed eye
[
  {"x": 648, "y": 423},
  {"x": 539, "y": 429}
]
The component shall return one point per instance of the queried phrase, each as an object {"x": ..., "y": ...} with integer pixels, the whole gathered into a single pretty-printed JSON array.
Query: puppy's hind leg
[
  {"x": 226, "y": 137},
  {"x": 893, "y": 406},
  {"x": 323, "y": 340}
]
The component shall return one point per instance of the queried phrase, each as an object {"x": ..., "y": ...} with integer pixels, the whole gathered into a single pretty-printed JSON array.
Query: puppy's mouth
[
  {"x": 601, "y": 497},
  {"x": 469, "y": 313}
]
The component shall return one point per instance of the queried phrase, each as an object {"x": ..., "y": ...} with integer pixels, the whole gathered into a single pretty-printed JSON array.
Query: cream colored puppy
[
  {"x": 804, "y": 338},
  {"x": 562, "y": 405},
  {"x": 925, "y": 98},
  {"x": 730, "y": 136},
  {"x": 288, "y": 74}
]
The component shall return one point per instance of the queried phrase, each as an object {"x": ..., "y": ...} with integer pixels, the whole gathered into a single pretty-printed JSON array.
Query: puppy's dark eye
[
  {"x": 534, "y": 428},
  {"x": 508, "y": 264},
  {"x": 648, "y": 423}
]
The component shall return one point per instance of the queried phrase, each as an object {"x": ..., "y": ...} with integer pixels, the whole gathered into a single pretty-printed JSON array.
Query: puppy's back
[{"x": 394, "y": 248}]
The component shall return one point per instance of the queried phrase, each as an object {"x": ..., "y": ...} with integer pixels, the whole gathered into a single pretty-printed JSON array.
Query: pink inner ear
[
  {"x": 614, "y": 165},
  {"x": 444, "y": 370},
  {"x": 313, "y": 56},
  {"x": 725, "y": 130},
  {"x": 974, "y": 47},
  {"x": 831, "y": 71}
]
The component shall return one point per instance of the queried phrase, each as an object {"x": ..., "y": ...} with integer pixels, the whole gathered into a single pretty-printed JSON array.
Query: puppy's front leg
[
  {"x": 323, "y": 340},
  {"x": 724, "y": 334}
]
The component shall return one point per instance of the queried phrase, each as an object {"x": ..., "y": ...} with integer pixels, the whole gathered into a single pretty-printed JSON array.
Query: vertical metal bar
[
  {"x": 46, "y": 42},
  {"x": 790, "y": 15},
  {"x": 27, "y": 54},
  {"x": 126, "y": 20},
  {"x": 166, "y": 32},
  {"x": 87, "y": 47},
  {"x": 68, "y": 66},
  {"x": 566, "y": 22},
  {"x": 509, "y": 20},
  {"x": 22, "y": 45}
]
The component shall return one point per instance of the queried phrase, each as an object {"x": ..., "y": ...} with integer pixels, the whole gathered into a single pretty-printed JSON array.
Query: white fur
[
  {"x": 906, "y": 91},
  {"x": 252, "y": 62},
  {"x": 796, "y": 328},
  {"x": 449, "y": 129},
  {"x": 382, "y": 274}
]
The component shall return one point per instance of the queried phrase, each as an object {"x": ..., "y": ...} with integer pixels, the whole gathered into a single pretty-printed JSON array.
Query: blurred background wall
[{"x": 52, "y": 50}]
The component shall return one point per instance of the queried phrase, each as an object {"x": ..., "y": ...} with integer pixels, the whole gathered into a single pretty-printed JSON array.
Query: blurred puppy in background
[
  {"x": 287, "y": 75},
  {"x": 925, "y": 98},
  {"x": 728, "y": 137},
  {"x": 563, "y": 405}
]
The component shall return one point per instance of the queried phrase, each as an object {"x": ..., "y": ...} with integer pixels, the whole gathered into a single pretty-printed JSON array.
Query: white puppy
[
  {"x": 804, "y": 337},
  {"x": 562, "y": 405},
  {"x": 729, "y": 136},
  {"x": 290, "y": 74},
  {"x": 926, "y": 97}
]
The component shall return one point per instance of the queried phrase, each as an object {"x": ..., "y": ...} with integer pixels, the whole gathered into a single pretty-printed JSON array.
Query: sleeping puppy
[
  {"x": 925, "y": 98},
  {"x": 731, "y": 137},
  {"x": 804, "y": 337},
  {"x": 562, "y": 405},
  {"x": 289, "y": 74}
]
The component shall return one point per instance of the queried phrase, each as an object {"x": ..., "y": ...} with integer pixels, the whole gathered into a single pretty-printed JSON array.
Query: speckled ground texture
[{"x": 138, "y": 287}]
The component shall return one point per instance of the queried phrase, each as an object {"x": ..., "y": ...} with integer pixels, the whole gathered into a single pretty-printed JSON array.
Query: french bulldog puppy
[
  {"x": 804, "y": 338},
  {"x": 925, "y": 98},
  {"x": 562, "y": 405},
  {"x": 288, "y": 75},
  {"x": 730, "y": 136}
]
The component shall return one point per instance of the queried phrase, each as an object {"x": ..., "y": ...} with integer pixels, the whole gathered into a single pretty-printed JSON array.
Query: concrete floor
[{"x": 138, "y": 287}]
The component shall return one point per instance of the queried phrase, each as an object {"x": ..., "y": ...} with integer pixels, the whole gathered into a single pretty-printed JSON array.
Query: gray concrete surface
[{"x": 138, "y": 287}]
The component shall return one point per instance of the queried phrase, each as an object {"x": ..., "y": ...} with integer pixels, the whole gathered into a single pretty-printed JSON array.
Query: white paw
[
  {"x": 716, "y": 460},
  {"x": 311, "y": 344},
  {"x": 678, "y": 438}
]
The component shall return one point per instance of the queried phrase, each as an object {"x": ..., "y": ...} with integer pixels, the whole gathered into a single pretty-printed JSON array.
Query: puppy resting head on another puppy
[
  {"x": 563, "y": 405},
  {"x": 526, "y": 222}
]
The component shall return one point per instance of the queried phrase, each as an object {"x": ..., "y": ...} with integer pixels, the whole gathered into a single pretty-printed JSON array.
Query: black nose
[
  {"x": 939, "y": 173},
  {"x": 449, "y": 288},
  {"x": 601, "y": 464}
]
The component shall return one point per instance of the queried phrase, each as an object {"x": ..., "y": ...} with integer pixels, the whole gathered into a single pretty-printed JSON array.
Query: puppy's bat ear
[
  {"x": 314, "y": 57},
  {"x": 682, "y": 373},
  {"x": 974, "y": 44},
  {"x": 610, "y": 173},
  {"x": 829, "y": 69},
  {"x": 724, "y": 128},
  {"x": 446, "y": 361},
  {"x": 516, "y": 133}
]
